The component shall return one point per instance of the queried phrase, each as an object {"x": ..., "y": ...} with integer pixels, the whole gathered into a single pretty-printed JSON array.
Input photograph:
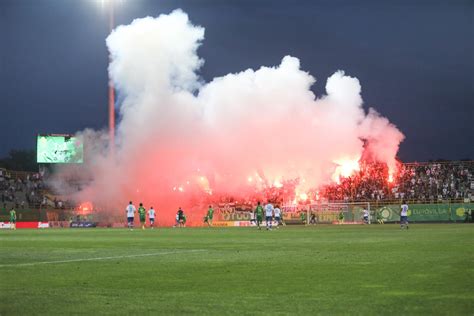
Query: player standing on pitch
[
  {"x": 404, "y": 215},
  {"x": 181, "y": 218},
  {"x": 142, "y": 214},
  {"x": 130, "y": 210},
  {"x": 151, "y": 216},
  {"x": 176, "y": 217},
  {"x": 366, "y": 216},
  {"x": 252, "y": 217},
  {"x": 269, "y": 215},
  {"x": 259, "y": 214},
  {"x": 210, "y": 215},
  {"x": 341, "y": 217},
  {"x": 312, "y": 219},
  {"x": 12, "y": 218},
  {"x": 303, "y": 217},
  {"x": 277, "y": 212}
]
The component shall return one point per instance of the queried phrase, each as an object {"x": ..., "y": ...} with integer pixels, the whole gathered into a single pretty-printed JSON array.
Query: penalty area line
[{"x": 100, "y": 258}]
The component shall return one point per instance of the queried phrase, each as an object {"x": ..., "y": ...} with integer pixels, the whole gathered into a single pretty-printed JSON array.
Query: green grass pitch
[{"x": 328, "y": 270}]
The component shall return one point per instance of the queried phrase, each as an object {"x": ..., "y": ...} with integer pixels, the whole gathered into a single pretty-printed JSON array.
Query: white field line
[{"x": 99, "y": 258}]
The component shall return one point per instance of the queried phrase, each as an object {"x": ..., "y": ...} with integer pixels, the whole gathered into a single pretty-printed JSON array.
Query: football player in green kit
[
  {"x": 259, "y": 214},
  {"x": 142, "y": 214},
  {"x": 210, "y": 215},
  {"x": 12, "y": 218}
]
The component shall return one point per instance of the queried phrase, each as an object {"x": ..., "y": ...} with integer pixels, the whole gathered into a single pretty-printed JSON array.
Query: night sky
[{"x": 414, "y": 59}]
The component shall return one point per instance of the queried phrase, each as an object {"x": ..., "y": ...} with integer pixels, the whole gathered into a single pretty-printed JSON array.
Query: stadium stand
[
  {"x": 417, "y": 182},
  {"x": 26, "y": 190},
  {"x": 431, "y": 182}
]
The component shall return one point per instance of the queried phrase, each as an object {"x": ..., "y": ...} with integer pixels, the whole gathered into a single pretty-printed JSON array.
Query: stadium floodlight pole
[
  {"x": 111, "y": 90},
  {"x": 111, "y": 106}
]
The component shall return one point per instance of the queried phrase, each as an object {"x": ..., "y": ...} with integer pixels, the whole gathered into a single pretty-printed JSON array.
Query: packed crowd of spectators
[
  {"x": 20, "y": 191},
  {"x": 422, "y": 182},
  {"x": 371, "y": 182},
  {"x": 25, "y": 190},
  {"x": 436, "y": 181},
  {"x": 415, "y": 182}
]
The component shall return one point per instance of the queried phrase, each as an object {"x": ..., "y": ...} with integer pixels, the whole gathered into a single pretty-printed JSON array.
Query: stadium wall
[
  {"x": 427, "y": 212},
  {"x": 329, "y": 213},
  {"x": 439, "y": 212},
  {"x": 353, "y": 213}
]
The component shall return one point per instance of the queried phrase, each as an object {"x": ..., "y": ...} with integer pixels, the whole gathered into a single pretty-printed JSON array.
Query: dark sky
[{"x": 414, "y": 59}]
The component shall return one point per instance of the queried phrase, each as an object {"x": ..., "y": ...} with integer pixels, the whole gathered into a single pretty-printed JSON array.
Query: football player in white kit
[
  {"x": 366, "y": 216},
  {"x": 130, "y": 210},
  {"x": 277, "y": 212},
  {"x": 404, "y": 215},
  {"x": 151, "y": 216},
  {"x": 252, "y": 218},
  {"x": 269, "y": 215}
]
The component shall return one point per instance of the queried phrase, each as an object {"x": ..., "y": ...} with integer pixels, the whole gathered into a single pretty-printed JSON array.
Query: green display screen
[{"x": 59, "y": 149}]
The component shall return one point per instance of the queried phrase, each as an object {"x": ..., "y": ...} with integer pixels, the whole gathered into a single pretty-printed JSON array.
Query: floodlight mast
[
  {"x": 111, "y": 90},
  {"x": 111, "y": 106}
]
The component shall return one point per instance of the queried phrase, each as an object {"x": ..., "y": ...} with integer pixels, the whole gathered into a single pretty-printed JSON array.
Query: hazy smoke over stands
[{"x": 179, "y": 136}]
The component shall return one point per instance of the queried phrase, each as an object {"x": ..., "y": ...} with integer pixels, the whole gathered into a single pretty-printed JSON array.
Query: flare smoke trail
[{"x": 179, "y": 136}]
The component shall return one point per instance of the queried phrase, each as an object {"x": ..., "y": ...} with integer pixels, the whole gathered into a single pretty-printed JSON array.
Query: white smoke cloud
[
  {"x": 383, "y": 137},
  {"x": 177, "y": 133}
]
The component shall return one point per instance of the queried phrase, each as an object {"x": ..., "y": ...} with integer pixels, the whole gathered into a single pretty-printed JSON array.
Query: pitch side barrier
[{"x": 352, "y": 213}]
